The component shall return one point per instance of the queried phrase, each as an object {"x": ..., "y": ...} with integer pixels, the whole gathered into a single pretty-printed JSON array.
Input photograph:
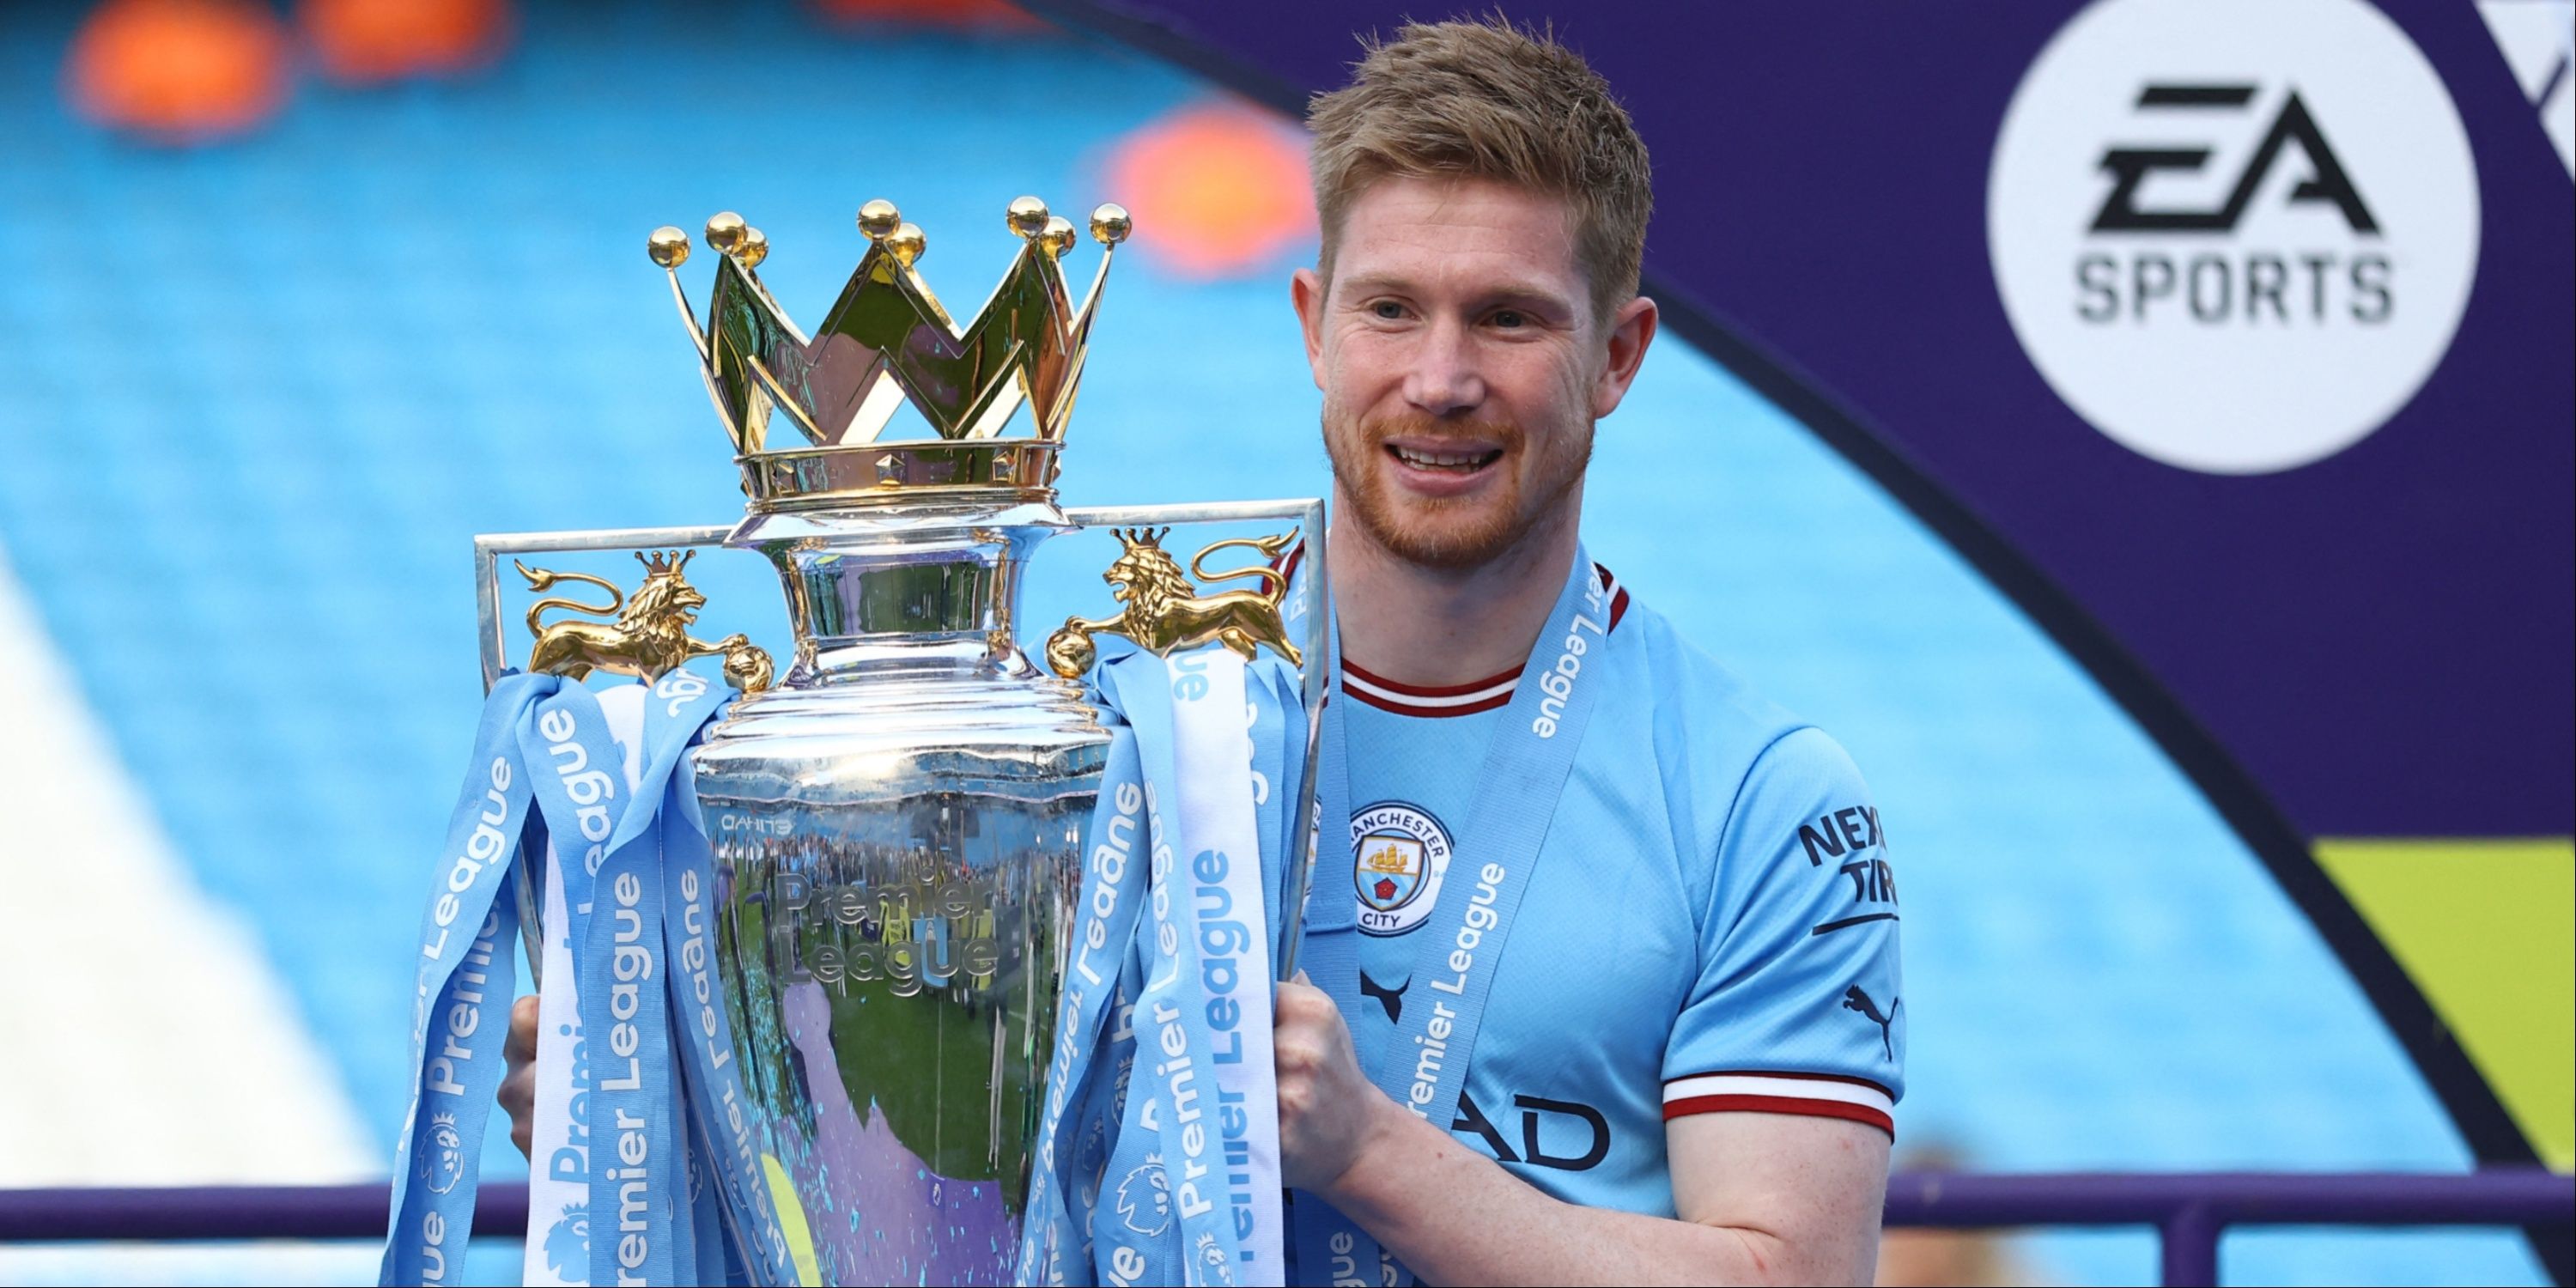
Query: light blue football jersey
[{"x": 1711, "y": 925}]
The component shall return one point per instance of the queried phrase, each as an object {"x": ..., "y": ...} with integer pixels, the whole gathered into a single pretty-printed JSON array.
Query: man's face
[{"x": 1462, "y": 366}]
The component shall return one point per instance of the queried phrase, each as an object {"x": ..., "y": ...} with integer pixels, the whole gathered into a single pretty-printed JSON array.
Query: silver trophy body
[{"x": 897, "y": 834}]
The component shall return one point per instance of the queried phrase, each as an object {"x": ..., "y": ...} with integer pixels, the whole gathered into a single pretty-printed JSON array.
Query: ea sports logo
[{"x": 2234, "y": 237}]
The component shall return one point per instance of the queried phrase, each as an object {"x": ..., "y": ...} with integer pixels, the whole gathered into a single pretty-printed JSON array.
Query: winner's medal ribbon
[{"x": 1423, "y": 1064}]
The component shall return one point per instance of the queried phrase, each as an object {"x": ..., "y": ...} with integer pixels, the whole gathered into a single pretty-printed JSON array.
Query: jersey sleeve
[{"x": 1798, "y": 1005}]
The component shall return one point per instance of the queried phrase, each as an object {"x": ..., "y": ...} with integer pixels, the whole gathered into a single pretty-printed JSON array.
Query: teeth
[{"x": 1440, "y": 460}]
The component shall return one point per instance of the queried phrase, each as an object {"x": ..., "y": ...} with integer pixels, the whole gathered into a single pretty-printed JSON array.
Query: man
[
  {"x": 1692, "y": 1042},
  {"x": 1691, "y": 1045}
]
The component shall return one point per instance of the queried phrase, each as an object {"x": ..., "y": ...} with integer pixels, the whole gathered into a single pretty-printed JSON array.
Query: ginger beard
[{"x": 1518, "y": 483}]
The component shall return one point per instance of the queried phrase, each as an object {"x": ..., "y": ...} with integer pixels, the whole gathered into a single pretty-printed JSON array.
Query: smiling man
[{"x": 1611, "y": 993}]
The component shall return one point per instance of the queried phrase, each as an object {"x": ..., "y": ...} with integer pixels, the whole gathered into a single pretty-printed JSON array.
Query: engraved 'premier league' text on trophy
[{"x": 897, "y": 821}]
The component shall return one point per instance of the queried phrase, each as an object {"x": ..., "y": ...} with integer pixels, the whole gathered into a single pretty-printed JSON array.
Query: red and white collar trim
[
  {"x": 1417, "y": 700},
  {"x": 1455, "y": 699}
]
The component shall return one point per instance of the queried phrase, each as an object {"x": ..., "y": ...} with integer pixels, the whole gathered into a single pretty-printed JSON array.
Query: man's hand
[
  {"x": 519, "y": 1085},
  {"x": 1328, "y": 1109}
]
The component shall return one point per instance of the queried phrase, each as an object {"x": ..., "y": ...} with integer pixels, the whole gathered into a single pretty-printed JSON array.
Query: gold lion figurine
[
  {"x": 650, "y": 637},
  {"x": 1164, "y": 613}
]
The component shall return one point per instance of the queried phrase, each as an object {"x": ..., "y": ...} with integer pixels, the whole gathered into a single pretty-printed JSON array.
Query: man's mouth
[{"x": 1462, "y": 460}]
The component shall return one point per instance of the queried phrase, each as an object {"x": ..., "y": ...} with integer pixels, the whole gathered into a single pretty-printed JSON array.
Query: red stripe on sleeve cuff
[{"x": 1689, "y": 1105}]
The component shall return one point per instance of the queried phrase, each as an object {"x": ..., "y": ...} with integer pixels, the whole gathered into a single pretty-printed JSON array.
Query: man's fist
[
  {"x": 519, "y": 1085},
  {"x": 1328, "y": 1110}
]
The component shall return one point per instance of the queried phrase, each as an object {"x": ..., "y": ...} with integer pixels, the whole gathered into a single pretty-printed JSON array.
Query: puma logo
[
  {"x": 1856, "y": 1000},
  {"x": 1390, "y": 998}
]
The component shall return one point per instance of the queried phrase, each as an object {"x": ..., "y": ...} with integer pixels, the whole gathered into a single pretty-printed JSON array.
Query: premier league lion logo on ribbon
[
  {"x": 568, "y": 1242},
  {"x": 442, "y": 1165},
  {"x": 1145, "y": 1198}
]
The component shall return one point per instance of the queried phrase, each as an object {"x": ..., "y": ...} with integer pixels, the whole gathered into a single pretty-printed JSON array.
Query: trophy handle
[
  {"x": 489, "y": 547},
  {"x": 495, "y": 645}
]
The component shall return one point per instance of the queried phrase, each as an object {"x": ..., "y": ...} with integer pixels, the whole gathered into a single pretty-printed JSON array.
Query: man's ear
[
  {"x": 1631, "y": 331},
  {"x": 1306, "y": 292}
]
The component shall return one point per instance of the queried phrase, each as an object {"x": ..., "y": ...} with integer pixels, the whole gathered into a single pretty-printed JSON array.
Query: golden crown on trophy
[{"x": 887, "y": 339}]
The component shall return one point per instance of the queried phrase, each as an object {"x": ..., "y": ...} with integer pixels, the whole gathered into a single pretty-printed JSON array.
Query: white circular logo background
[{"x": 2212, "y": 330}]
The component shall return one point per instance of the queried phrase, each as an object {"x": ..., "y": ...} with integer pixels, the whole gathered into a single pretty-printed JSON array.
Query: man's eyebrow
[
  {"x": 1529, "y": 295},
  {"x": 1377, "y": 282},
  {"x": 1526, "y": 294}
]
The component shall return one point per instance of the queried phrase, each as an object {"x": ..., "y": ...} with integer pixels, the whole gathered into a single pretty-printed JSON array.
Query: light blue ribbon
[
  {"x": 1171, "y": 1091},
  {"x": 1331, "y": 1248},
  {"x": 545, "y": 743},
  {"x": 1118, "y": 1193},
  {"x": 1279, "y": 744},
  {"x": 725, "y": 1141},
  {"x": 465, "y": 965},
  {"x": 1103, "y": 943},
  {"x": 1423, "y": 1064},
  {"x": 639, "y": 1212}
]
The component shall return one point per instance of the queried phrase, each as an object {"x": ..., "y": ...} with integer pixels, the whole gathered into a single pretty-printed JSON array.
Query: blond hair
[{"x": 1487, "y": 100}]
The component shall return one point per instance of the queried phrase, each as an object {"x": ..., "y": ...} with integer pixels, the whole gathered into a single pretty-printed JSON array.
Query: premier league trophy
[{"x": 895, "y": 824}]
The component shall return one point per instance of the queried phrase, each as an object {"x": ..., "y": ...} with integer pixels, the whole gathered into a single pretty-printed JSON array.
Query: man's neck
[{"x": 1443, "y": 626}]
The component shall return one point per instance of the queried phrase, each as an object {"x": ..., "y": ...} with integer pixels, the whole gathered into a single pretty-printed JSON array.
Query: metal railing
[{"x": 2189, "y": 1210}]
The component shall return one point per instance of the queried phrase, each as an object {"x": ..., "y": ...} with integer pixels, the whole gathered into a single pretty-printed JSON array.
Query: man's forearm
[{"x": 1456, "y": 1217}]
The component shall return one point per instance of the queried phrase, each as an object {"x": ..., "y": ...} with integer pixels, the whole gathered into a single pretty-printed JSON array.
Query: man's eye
[
  {"x": 1509, "y": 318},
  {"x": 1388, "y": 309}
]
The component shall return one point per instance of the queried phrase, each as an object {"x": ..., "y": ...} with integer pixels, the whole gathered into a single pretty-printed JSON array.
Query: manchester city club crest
[{"x": 1398, "y": 853}]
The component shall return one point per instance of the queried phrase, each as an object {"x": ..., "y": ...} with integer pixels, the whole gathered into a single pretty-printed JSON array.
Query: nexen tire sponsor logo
[{"x": 2235, "y": 238}]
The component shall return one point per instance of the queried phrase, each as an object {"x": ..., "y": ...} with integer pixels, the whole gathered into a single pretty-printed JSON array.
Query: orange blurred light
[
  {"x": 990, "y": 15},
  {"x": 1217, "y": 191},
  {"x": 178, "y": 70},
  {"x": 363, "y": 42}
]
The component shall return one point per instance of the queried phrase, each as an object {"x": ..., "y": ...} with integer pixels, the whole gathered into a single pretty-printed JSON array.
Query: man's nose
[{"x": 1445, "y": 380}]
